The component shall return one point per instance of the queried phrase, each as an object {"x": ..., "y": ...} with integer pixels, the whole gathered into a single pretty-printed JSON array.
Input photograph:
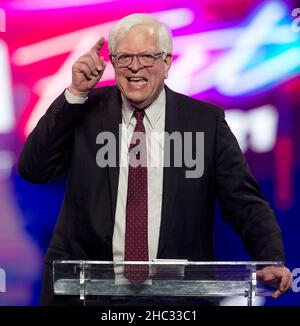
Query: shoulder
[
  {"x": 103, "y": 93},
  {"x": 195, "y": 107}
]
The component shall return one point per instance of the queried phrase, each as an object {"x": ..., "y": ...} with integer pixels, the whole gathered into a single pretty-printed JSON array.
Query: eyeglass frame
[{"x": 155, "y": 55}]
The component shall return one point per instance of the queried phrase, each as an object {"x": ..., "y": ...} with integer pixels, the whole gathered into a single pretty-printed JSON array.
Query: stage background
[{"x": 243, "y": 55}]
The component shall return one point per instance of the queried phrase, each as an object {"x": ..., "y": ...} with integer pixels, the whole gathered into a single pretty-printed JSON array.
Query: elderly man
[{"x": 160, "y": 212}]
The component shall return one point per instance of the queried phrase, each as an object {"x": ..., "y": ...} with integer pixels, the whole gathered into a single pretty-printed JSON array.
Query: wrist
[
  {"x": 75, "y": 92},
  {"x": 74, "y": 99}
]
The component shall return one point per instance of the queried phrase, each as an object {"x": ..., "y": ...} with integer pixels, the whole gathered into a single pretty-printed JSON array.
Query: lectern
[{"x": 166, "y": 278}]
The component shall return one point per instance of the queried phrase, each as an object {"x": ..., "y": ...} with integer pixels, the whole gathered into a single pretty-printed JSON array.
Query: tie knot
[{"x": 139, "y": 115}]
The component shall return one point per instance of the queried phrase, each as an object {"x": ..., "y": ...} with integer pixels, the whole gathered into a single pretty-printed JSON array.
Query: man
[{"x": 103, "y": 203}]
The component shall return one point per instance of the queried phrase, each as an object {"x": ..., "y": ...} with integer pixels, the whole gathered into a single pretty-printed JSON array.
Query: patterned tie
[{"x": 136, "y": 234}]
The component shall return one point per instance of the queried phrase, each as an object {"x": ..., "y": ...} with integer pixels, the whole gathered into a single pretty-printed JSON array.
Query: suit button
[{"x": 107, "y": 238}]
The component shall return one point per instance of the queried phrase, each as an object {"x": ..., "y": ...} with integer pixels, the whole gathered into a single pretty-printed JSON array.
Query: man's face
[{"x": 141, "y": 85}]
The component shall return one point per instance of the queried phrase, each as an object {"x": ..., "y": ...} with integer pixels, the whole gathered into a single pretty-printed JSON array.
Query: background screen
[{"x": 242, "y": 55}]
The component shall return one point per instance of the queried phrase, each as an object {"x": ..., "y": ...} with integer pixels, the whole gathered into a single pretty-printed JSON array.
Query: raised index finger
[{"x": 97, "y": 47}]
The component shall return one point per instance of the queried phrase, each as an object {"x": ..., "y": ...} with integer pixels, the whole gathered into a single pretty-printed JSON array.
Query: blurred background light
[{"x": 242, "y": 55}]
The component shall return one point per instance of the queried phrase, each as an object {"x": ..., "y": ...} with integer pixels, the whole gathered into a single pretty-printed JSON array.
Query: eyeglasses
[{"x": 145, "y": 59}]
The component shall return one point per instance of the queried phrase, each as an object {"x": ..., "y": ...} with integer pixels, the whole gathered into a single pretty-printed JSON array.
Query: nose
[{"x": 135, "y": 64}]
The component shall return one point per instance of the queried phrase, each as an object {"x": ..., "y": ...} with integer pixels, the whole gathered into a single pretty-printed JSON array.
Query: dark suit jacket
[{"x": 65, "y": 140}]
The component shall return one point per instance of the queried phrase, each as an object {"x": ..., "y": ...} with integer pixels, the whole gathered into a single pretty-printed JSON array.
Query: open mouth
[{"x": 137, "y": 80}]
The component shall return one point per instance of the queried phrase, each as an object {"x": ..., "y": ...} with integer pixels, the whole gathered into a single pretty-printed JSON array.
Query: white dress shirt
[{"x": 154, "y": 122}]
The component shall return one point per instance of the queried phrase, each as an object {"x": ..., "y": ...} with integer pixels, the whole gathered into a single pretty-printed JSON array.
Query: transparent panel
[{"x": 159, "y": 278}]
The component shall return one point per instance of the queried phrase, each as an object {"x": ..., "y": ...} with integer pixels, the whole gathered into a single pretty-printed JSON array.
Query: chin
[{"x": 137, "y": 101}]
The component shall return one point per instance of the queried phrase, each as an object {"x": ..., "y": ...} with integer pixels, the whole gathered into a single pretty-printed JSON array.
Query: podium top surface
[
  {"x": 172, "y": 262},
  {"x": 164, "y": 278}
]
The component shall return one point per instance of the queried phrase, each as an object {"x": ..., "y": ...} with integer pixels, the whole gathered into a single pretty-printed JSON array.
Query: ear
[{"x": 168, "y": 62}]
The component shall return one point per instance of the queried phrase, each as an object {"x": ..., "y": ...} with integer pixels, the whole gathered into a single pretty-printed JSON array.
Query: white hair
[{"x": 126, "y": 23}]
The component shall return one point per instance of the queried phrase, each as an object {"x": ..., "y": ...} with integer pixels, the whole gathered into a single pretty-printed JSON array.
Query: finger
[
  {"x": 277, "y": 294},
  {"x": 96, "y": 60},
  {"x": 284, "y": 281},
  {"x": 285, "y": 284},
  {"x": 83, "y": 68},
  {"x": 103, "y": 64},
  {"x": 291, "y": 281},
  {"x": 90, "y": 63},
  {"x": 97, "y": 47}
]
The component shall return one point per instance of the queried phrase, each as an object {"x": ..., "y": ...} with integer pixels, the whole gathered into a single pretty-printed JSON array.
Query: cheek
[
  {"x": 121, "y": 81},
  {"x": 158, "y": 79}
]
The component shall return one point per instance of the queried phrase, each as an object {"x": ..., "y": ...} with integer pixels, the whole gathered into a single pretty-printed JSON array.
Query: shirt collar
[{"x": 153, "y": 112}]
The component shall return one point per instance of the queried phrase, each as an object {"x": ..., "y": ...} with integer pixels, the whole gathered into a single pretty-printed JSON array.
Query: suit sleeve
[
  {"x": 48, "y": 149},
  {"x": 242, "y": 203}
]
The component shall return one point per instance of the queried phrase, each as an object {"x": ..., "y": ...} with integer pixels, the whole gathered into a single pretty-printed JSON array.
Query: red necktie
[{"x": 136, "y": 233}]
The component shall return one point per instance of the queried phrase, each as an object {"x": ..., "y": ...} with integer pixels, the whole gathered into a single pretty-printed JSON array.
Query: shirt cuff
[{"x": 73, "y": 99}]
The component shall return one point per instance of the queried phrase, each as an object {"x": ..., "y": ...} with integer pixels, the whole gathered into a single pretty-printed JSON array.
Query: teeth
[{"x": 136, "y": 79}]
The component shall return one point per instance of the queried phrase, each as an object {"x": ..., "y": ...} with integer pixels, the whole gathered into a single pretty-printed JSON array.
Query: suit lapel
[
  {"x": 170, "y": 175},
  {"x": 111, "y": 121}
]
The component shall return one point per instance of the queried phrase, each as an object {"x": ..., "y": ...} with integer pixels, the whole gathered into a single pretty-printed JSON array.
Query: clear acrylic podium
[{"x": 166, "y": 278}]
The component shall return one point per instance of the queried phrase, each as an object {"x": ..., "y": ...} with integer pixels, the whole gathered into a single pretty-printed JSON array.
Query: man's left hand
[{"x": 276, "y": 277}]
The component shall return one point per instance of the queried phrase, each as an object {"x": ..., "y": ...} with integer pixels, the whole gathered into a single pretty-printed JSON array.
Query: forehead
[{"x": 139, "y": 38}]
